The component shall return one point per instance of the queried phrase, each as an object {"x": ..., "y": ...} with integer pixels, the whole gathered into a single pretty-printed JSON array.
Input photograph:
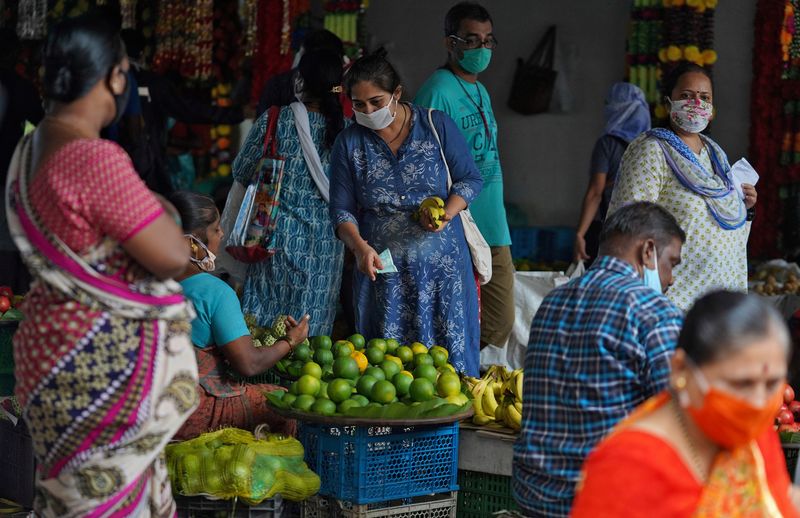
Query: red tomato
[
  {"x": 5, "y": 304},
  {"x": 788, "y": 394},
  {"x": 5, "y": 291},
  {"x": 785, "y": 417}
]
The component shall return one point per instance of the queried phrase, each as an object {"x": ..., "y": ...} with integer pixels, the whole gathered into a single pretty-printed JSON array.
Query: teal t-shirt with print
[
  {"x": 219, "y": 317},
  {"x": 464, "y": 102}
]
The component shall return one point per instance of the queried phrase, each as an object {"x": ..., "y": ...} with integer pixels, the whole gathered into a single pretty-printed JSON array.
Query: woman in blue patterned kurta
[
  {"x": 379, "y": 176},
  {"x": 305, "y": 274}
]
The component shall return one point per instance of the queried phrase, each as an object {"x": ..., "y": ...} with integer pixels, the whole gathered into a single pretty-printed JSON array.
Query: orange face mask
[{"x": 730, "y": 421}]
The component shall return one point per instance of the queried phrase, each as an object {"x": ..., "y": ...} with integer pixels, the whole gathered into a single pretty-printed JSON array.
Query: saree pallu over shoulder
[{"x": 116, "y": 390}]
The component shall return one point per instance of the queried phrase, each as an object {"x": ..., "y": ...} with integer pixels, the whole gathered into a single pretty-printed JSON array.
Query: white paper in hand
[
  {"x": 388, "y": 262},
  {"x": 743, "y": 172}
]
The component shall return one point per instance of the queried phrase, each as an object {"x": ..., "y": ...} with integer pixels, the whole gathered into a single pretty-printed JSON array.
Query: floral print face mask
[{"x": 690, "y": 115}]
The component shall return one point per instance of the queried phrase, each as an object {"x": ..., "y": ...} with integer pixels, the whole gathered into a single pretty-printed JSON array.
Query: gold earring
[{"x": 680, "y": 383}]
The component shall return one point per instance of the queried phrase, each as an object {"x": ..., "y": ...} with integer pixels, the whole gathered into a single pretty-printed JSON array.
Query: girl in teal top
[{"x": 220, "y": 334}]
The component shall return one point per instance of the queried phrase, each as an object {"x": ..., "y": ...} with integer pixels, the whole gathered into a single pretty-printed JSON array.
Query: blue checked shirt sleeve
[{"x": 660, "y": 344}]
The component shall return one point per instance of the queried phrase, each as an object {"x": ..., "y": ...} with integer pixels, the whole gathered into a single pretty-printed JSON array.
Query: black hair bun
[{"x": 62, "y": 85}]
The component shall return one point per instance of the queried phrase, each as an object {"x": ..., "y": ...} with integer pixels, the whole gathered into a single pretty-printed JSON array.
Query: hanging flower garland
[
  {"x": 769, "y": 113},
  {"x": 643, "y": 45},
  {"x": 32, "y": 19},
  {"x": 184, "y": 36},
  {"x": 688, "y": 35},
  {"x": 344, "y": 18}
]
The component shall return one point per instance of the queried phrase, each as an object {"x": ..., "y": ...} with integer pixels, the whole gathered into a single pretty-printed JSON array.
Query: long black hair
[
  {"x": 77, "y": 54},
  {"x": 723, "y": 322},
  {"x": 197, "y": 212},
  {"x": 374, "y": 68},
  {"x": 321, "y": 71}
]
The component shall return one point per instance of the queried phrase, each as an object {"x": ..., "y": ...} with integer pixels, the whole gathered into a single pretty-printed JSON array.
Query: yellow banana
[
  {"x": 482, "y": 420},
  {"x": 497, "y": 387},
  {"x": 512, "y": 417},
  {"x": 518, "y": 405},
  {"x": 518, "y": 379},
  {"x": 477, "y": 394},
  {"x": 489, "y": 402},
  {"x": 498, "y": 414}
]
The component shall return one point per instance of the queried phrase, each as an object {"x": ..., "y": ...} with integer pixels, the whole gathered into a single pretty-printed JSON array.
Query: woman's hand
[
  {"x": 580, "y": 249},
  {"x": 750, "y": 195},
  {"x": 297, "y": 332},
  {"x": 427, "y": 223},
  {"x": 367, "y": 260}
]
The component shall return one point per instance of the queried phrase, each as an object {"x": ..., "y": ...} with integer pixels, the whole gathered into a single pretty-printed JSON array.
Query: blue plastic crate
[
  {"x": 363, "y": 464},
  {"x": 525, "y": 242},
  {"x": 563, "y": 240}
]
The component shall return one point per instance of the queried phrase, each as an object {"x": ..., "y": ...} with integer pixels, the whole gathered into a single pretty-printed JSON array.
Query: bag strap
[
  {"x": 544, "y": 54},
  {"x": 270, "y": 138},
  {"x": 441, "y": 148}
]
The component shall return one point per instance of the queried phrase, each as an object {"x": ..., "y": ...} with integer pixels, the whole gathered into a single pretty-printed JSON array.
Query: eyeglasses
[{"x": 473, "y": 42}]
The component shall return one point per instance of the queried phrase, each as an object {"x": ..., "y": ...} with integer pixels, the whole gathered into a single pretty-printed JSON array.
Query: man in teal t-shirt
[{"x": 455, "y": 90}]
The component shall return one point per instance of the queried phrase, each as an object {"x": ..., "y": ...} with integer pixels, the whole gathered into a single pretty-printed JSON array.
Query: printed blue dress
[
  {"x": 305, "y": 274},
  {"x": 432, "y": 298}
]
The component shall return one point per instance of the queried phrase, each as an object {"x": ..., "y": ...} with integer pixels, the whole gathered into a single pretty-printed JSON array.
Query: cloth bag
[
  {"x": 251, "y": 240},
  {"x": 478, "y": 247},
  {"x": 534, "y": 79}
]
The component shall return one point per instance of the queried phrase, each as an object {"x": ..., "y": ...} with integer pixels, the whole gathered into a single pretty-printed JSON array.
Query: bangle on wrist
[{"x": 286, "y": 339}]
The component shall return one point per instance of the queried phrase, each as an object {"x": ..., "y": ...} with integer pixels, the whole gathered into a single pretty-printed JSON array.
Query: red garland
[
  {"x": 767, "y": 127},
  {"x": 267, "y": 59}
]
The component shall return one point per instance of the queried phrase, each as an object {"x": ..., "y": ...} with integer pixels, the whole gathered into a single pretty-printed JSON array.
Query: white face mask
[
  {"x": 379, "y": 119},
  {"x": 207, "y": 263}
]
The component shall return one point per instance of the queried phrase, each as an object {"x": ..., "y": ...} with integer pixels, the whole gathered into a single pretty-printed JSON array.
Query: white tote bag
[{"x": 478, "y": 247}]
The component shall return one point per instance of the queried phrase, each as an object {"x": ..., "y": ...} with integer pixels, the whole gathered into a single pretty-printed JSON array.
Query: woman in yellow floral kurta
[{"x": 688, "y": 174}]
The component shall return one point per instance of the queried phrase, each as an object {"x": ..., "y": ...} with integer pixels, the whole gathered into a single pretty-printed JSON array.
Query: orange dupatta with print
[{"x": 635, "y": 473}]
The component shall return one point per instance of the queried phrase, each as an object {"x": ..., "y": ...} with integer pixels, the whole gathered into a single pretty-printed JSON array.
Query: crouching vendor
[{"x": 221, "y": 338}]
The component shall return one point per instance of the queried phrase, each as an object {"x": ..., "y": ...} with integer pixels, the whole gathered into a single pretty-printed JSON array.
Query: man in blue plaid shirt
[{"x": 599, "y": 346}]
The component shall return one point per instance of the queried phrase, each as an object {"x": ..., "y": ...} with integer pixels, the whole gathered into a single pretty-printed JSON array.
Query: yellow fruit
[
  {"x": 360, "y": 359},
  {"x": 394, "y": 359},
  {"x": 448, "y": 385},
  {"x": 418, "y": 348}
]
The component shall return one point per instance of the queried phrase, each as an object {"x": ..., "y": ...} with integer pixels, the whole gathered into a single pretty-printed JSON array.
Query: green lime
[
  {"x": 421, "y": 389},
  {"x": 365, "y": 384},
  {"x": 348, "y": 404},
  {"x": 295, "y": 369},
  {"x": 323, "y": 357},
  {"x": 378, "y": 343},
  {"x": 289, "y": 399},
  {"x": 345, "y": 367},
  {"x": 323, "y": 390},
  {"x": 426, "y": 371},
  {"x": 405, "y": 354},
  {"x": 357, "y": 340},
  {"x": 341, "y": 350},
  {"x": 362, "y": 400},
  {"x": 293, "y": 389},
  {"x": 303, "y": 402},
  {"x": 308, "y": 385},
  {"x": 422, "y": 359},
  {"x": 339, "y": 390},
  {"x": 448, "y": 385},
  {"x": 324, "y": 407},
  {"x": 392, "y": 345},
  {"x": 382, "y": 392},
  {"x": 302, "y": 353},
  {"x": 402, "y": 382},
  {"x": 390, "y": 368},
  {"x": 439, "y": 356},
  {"x": 374, "y": 355},
  {"x": 312, "y": 369},
  {"x": 321, "y": 342},
  {"x": 375, "y": 372}
]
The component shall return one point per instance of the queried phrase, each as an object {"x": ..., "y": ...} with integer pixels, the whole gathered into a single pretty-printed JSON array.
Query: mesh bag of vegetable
[{"x": 231, "y": 463}]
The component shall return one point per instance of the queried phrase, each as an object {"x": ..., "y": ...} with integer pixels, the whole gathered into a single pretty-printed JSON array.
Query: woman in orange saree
[{"x": 707, "y": 447}]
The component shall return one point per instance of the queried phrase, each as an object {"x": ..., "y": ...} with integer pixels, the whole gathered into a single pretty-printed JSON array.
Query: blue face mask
[
  {"x": 475, "y": 61},
  {"x": 651, "y": 277}
]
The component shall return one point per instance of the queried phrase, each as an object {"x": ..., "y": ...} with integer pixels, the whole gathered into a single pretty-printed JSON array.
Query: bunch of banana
[
  {"x": 434, "y": 207},
  {"x": 497, "y": 397}
]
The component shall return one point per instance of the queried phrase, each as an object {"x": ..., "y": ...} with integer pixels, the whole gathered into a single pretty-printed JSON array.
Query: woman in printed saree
[
  {"x": 688, "y": 174},
  {"x": 220, "y": 335},
  {"x": 105, "y": 370},
  {"x": 381, "y": 170},
  {"x": 706, "y": 447}
]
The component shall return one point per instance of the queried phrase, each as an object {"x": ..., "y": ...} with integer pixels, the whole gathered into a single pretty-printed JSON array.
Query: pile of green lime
[{"x": 375, "y": 379}]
